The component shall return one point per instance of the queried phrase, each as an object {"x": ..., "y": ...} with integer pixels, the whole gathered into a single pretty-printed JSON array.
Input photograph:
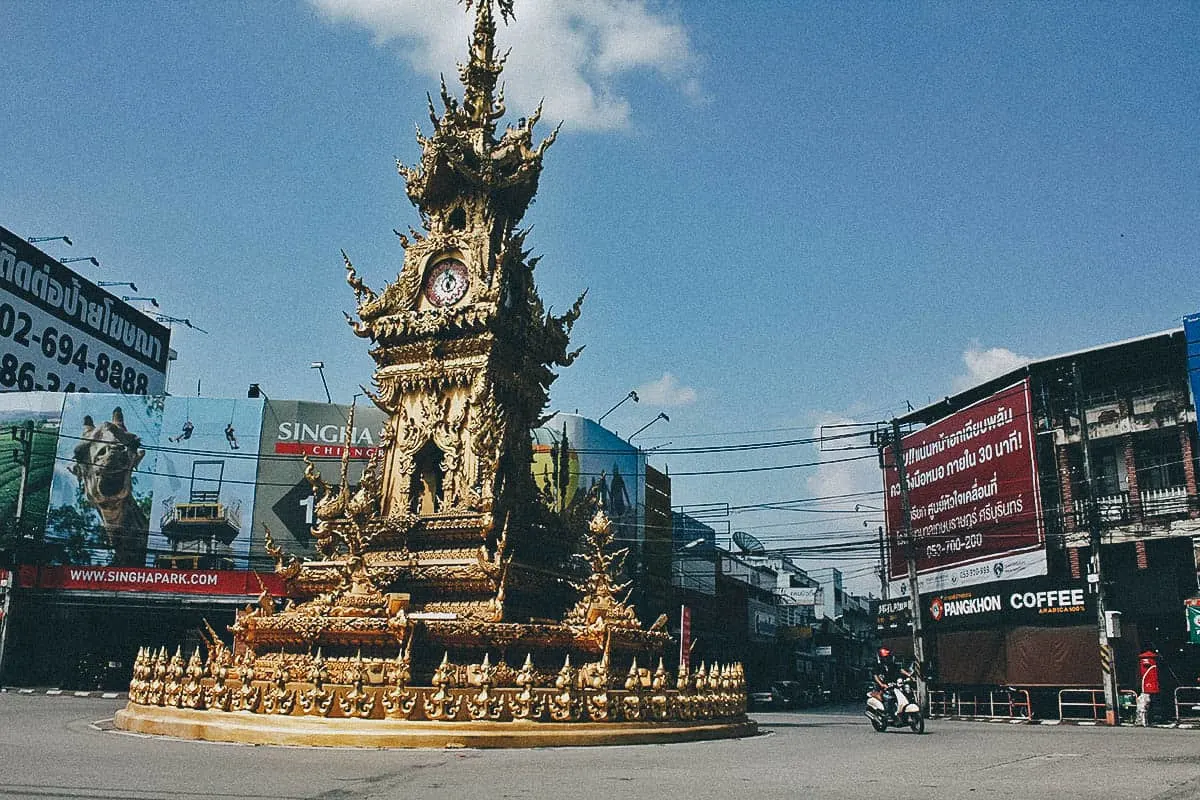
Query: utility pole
[
  {"x": 910, "y": 554},
  {"x": 883, "y": 568},
  {"x": 24, "y": 435},
  {"x": 1108, "y": 673}
]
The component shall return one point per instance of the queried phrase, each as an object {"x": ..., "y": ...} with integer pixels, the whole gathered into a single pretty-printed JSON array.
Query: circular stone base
[{"x": 248, "y": 728}]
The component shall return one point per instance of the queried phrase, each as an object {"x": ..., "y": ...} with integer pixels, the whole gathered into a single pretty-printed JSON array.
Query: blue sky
[{"x": 785, "y": 212}]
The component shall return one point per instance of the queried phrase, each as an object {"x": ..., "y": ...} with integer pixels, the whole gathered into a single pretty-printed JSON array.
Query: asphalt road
[{"x": 57, "y": 747}]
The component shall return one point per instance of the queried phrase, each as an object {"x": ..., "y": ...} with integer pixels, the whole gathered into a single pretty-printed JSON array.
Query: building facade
[{"x": 1008, "y": 582}]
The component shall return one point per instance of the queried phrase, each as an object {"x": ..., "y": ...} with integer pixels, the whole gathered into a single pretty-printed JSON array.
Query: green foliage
[{"x": 71, "y": 535}]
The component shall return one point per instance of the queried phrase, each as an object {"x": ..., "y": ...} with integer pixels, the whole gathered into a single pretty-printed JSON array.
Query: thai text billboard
[
  {"x": 974, "y": 497},
  {"x": 59, "y": 332}
]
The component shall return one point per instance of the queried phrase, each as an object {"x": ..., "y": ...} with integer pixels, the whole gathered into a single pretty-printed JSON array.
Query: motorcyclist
[{"x": 887, "y": 671}]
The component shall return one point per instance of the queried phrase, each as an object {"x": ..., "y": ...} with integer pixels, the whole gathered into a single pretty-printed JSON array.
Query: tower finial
[{"x": 480, "y": 74}]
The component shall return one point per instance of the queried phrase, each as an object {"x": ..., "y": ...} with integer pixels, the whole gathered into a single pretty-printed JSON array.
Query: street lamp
[
  {"x": 319, "y": 366},
  {"x": 95, "y": 262},
  {"x": 631, "y": 396},
  {"x": 180, "y": 320},
  {"x": 117, "y": 283},
  {"x": 661, "y": 415},
  {"x": 152, "y": 301},
  {"x": 256, "y": 391},
  {"x": 36, "y": 239}
]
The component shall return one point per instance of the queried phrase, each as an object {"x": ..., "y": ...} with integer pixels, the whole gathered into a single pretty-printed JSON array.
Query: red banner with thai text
[{"x": 973, "y": 489}]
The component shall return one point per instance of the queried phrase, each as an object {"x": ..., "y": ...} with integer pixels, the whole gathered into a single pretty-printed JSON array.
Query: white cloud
[
  {"x": 843, "y": 472},
  {"x": 983, "y": 365},
  {"x": 571, "y": 52},
  {"x": 666, "y": 392},
  {"x": 837, "y": 476}
]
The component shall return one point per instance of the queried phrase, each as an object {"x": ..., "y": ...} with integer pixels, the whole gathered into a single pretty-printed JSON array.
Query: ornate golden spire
[{"x": 480, "y": 74}]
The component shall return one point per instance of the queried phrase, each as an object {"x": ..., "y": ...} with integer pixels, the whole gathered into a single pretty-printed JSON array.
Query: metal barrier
[
  {"x": 983, "y": 704},
  {"x": 1088, "y": 703},
  {"x": 1187, "y": 703}
]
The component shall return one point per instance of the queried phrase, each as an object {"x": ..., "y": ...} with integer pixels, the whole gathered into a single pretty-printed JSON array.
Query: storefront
[
  {"x": 1043, "y": 631},
  {"x": 81, "y": 627}
]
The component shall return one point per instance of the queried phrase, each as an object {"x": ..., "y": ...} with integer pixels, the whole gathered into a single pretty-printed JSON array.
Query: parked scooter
[{"x": 906, "y": 711}]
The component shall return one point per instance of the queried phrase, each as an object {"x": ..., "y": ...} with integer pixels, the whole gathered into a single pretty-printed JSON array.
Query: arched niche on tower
[{"x": 428, "y": 479}]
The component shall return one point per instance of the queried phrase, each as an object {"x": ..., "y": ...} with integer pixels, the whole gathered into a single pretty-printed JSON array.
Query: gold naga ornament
[{"x": 445, "y": 562}]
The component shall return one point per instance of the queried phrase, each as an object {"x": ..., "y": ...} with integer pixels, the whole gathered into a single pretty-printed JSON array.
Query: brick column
[
  {"x": 1189, "y": 471},
  {"x": 1066, "y": 491},
  {"x": 1135, "y": 495}
]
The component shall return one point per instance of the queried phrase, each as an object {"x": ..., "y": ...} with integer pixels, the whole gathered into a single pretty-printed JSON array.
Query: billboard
[
  {"x": 974, "y": 497},
  {"x": 138, "y": 481},
  {"x": 203, "y": 483},
  {"x": 1037, "y": 601},
  {"x": 101, "y": 493},
  {"x": 574, "y": 457},
  {"x": 35, "y": 418},
  {"x": 893, "y": 617},
  {"x": 59, "y": 332},
  {"x": 291, "y": 431},
  {"x": 150, "y": 581},
  {"x": 1191, "y": 608}
]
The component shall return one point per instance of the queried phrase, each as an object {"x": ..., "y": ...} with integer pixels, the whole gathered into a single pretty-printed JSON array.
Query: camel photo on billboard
[{"x": 105, "y": 459}]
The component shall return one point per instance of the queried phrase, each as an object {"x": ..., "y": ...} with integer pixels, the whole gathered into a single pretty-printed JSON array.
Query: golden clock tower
[
  {"x": 465, "y": 354},
  {"x": 444, "y": 567}
]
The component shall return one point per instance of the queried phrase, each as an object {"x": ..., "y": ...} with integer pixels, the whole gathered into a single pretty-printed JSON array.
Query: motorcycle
[{"x": 906, "y": 711}]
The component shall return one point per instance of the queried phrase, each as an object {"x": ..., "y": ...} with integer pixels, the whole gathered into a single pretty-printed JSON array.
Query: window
[
  {"x": 1159, "y": 459},
  {"x": 1108, "y": 464}
]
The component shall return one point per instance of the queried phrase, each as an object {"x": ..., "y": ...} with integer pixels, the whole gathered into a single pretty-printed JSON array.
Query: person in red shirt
[{"x": 1148, "y": 672}]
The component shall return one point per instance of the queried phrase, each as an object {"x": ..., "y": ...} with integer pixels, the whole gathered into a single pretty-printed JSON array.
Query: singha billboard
[{"x": 293, "y": 432}]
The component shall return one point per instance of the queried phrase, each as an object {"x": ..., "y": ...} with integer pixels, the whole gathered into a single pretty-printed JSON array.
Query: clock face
[{"x": 447, "y": 282}]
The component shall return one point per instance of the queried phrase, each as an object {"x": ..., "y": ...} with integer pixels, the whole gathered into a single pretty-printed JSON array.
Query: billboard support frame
[{"x": 893, "y": 436}]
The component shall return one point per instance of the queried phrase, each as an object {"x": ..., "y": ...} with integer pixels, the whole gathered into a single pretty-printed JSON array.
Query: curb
[
  {"x": 53, "y": 692},
  {"x": 1083, "y": 723}
]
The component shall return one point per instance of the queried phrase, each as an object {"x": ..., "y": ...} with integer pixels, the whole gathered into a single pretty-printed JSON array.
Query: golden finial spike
[{"x": 347, "y": 441}]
